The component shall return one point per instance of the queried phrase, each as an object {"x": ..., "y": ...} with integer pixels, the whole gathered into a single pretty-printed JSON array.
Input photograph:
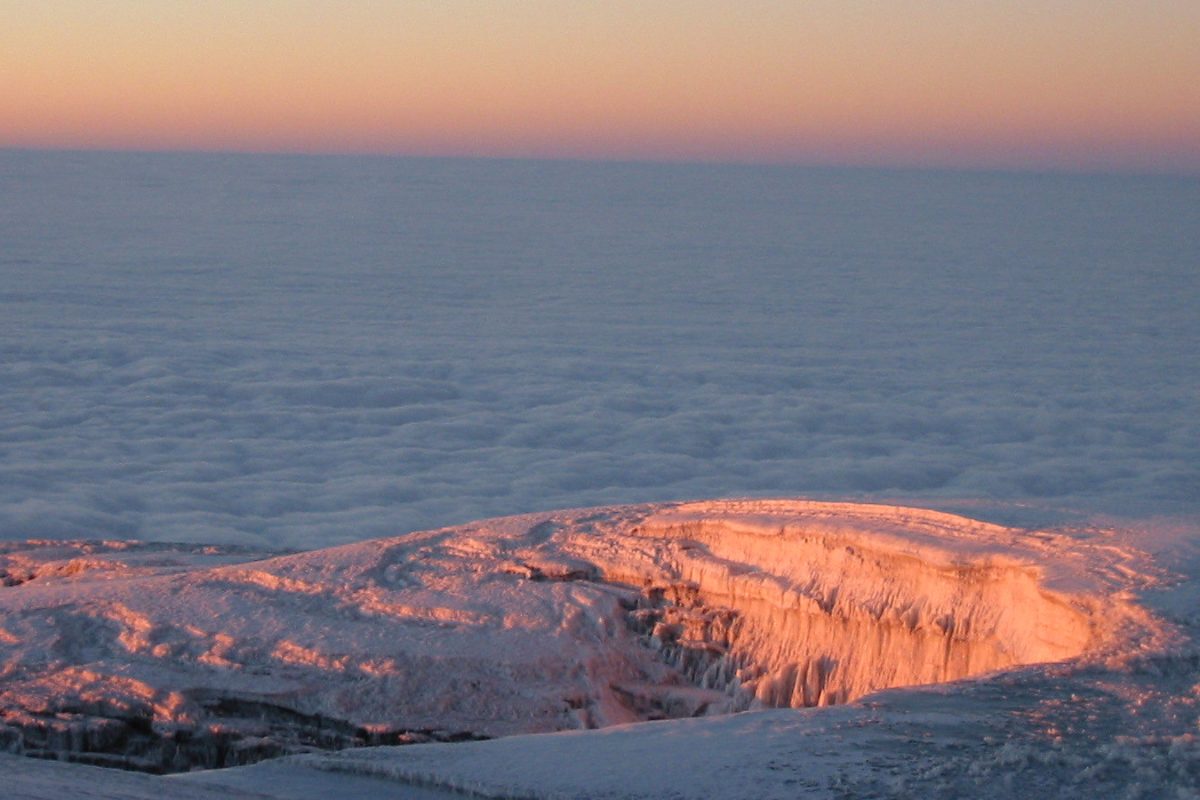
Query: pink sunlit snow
[{"x": 166, "y": 657}]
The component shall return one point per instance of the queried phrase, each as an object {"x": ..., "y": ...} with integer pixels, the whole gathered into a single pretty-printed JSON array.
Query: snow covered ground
[{"x": 1063, "y": 659}]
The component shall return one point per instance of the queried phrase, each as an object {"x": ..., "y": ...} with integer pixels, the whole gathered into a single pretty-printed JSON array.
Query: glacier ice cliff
[
  {"x": 824, "y": 606},
  {"x": 166, "y": 658}
]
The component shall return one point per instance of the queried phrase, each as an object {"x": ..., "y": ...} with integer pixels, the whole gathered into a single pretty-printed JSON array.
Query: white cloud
[{"x": 201, "y": 348}]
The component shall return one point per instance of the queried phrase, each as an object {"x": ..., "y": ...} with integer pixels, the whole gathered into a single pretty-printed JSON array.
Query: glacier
[{"x": 651, "y": 623}]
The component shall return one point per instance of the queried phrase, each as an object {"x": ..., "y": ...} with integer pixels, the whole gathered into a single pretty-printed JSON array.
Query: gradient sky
[{"x": 1074, "y": 84}]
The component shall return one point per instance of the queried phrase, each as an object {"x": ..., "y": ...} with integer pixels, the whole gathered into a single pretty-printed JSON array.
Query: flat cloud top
[{"x": 292, "y": 352}]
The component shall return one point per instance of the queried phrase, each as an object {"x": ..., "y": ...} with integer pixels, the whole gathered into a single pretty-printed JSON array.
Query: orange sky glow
[{"x": 1101, "y": 84}]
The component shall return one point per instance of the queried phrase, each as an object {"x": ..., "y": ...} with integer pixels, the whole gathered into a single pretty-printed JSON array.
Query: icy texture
[
  {"x": 832, "y": 601},
  {"x": 150, "y": 656}
]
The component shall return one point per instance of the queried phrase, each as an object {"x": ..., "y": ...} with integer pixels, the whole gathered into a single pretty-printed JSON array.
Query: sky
[{"x": 1072, "y": 84}]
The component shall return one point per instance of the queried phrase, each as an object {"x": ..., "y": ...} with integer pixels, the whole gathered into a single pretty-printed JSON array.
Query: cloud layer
[{"x": 299, "y": 351}]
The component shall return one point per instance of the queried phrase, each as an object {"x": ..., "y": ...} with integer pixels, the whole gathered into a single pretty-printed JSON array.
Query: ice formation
[
  {"x": 815, "y": 604},
  {"x": 167, "y": 658}
]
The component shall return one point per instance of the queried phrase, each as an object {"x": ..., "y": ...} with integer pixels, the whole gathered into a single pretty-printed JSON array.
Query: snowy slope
[
  {"x": 29, "y": 779},
  {"x": 167, "y": 657},
  {"x": 1038, "y": 733}
]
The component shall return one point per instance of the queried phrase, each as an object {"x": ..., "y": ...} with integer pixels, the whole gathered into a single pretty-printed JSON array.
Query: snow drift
[{"x": 166, "y": 657}]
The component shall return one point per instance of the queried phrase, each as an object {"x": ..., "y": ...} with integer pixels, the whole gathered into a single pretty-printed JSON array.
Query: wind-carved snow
[{"x": 167, "y": 658}]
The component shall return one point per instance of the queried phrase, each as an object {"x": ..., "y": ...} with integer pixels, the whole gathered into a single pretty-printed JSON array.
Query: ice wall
[{"x": 827, "y": 605}]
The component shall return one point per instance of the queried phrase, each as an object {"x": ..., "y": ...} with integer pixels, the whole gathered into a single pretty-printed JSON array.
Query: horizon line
[{"x": 1034, "y": 168}]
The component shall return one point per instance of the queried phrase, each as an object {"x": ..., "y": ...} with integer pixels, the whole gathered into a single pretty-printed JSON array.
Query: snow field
[{"x": 168, "y": 657}]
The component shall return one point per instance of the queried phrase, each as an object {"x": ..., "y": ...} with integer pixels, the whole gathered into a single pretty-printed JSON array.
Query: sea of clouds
[{"x": 302, "y": 351}]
